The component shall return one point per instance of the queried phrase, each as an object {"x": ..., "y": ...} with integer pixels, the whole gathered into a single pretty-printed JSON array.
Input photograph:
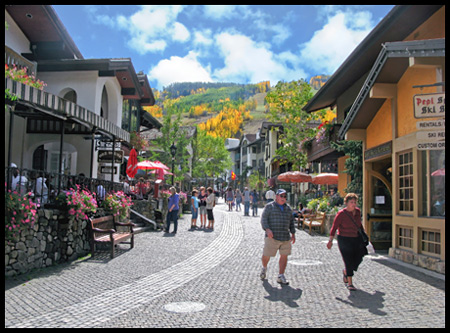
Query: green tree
[
  {"x": 212, "y": 158},
  {"x": 286, "y": 101},
  {"x": 172, "y": 133},
  {"x": 353, "y": 165}
]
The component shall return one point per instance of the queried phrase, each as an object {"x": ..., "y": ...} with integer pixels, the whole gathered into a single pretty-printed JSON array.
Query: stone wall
[
  {"x": 433, "y": 264},
  {"x": 52, "y": 240}
]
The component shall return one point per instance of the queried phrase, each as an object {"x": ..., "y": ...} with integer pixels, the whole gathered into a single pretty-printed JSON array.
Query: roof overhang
[
  {"x": 121, "y": 68},
  {"x": 392, "y": 62},
  {"x": 48, "y": 37},
  {"x": 396, "y": 26}
]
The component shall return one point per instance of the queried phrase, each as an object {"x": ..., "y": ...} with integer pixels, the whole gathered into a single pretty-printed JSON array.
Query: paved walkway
[{"x": 211, "y": 279}]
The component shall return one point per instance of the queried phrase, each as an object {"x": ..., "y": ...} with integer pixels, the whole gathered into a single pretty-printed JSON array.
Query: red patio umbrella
[
  {"x": 149, "y": 165},
  {"x": 294, "y": 177},
  {"x": 132, "y": 167},
  {"x": 325, "y": 179},
  {"x": 438, "y": 172},
  {"x": 164, "y": 172}
]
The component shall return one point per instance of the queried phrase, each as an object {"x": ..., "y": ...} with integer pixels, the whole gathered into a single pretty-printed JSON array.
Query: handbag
[{"x": 362, "y": 233}]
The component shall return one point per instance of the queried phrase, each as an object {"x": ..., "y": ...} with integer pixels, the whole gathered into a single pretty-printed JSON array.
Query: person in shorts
[{"x": 278, "y": 223}]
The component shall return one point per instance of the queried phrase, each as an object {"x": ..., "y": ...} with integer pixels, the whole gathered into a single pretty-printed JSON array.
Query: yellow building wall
[
  {"x": 379, "y": 130},
  {"x": 405, "y": 93},
  {"x": 432, "y": 28}
]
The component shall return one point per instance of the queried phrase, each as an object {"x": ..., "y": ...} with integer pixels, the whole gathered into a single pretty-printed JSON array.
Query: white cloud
[
  {"x": 331, "y": 45},
  {"x": 177, "y": 69},
  {"x": 248, "y": 61},
  {"x": 153, "y": 27},
  {"x": 203, "y": 37},
  {"x": 219, "y": 12}
]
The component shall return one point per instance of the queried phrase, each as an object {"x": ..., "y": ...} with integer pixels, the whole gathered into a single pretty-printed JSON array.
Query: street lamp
[{"x": 173, "y": 151}]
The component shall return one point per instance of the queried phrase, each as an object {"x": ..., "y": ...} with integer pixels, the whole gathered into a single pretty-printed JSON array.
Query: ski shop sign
[{"x": 429, "y": 105}]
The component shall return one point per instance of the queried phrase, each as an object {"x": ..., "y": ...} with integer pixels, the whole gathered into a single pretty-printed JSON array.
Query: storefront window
[
  {"x": 433, "y": 183},
  {"x": 405, "y": 172}
]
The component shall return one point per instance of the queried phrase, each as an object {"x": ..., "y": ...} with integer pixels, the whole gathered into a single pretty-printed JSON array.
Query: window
[
  {"x": 431, "y": 242},
  {"x": 405, "y": 237},
  {"x": 405, "y": 176},
  {"x": 130, "y": 113},
  {"x": 433, "y": 183}
]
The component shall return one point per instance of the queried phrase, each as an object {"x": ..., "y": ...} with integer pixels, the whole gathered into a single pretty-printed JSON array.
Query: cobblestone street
[{"x": 211, "y": 279}]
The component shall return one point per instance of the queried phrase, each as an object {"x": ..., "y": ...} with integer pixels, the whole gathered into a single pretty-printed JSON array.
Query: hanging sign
[
  {"x": 430, "y": 136},
  {"x": 106, "y": 156},
  {"x": 429, "y": 105},
  {"x": 431, "y": 125},
  {"x": 438, "y": 145}
]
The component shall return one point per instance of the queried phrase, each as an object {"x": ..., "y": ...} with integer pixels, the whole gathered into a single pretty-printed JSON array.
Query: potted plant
[{"x": 118, "y": 204}]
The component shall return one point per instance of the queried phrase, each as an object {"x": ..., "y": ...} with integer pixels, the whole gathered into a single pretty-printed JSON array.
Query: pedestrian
[
  {"x": 238, "y": 197},
  {"x": 101, "y": 192},
  {"x": 210, "y": 203},
  {"x": 246, "y": 202},
  {"x": 41, "y": 194},
  {"x": 346, "y": 223},
  {"x": 278, "y": 223},
  {"x": 230, "y": 198},
  {"x": 19, "y": 183},
  {"x": 194, "y": 209},
  {"x": 270, "y": 195},
  {"x": 172, "y": 214},
  {"x": 254, "y": 201},
  {"x": 202, "y": 206}
]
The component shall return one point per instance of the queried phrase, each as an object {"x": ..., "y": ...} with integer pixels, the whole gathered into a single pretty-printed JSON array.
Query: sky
[{"x": 222, "y": 43}]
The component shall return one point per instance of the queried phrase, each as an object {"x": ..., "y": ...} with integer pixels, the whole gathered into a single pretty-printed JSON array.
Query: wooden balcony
[{"x": 318, "y": 150}]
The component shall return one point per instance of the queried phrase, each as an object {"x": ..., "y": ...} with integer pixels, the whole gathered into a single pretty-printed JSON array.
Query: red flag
[{"x": 233, "y": 175}]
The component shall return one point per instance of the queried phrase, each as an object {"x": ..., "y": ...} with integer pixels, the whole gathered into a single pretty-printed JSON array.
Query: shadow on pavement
[
  {"x": 363, "y": 300},
  {"x": 286, "y": 294}
]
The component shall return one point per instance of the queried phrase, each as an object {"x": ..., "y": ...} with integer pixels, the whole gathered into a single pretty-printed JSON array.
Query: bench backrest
[
  {"x": 104, "y": 222},
  {"x": 320, "y": 215}
]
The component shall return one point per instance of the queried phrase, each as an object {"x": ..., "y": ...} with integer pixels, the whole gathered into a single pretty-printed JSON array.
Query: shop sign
[
  {"x": 99, "y": 144},
  {"x": 429, "y": 105},
  {"x": 430, "y": 136},
  {"x": 378, "y": 151},
  {"x": 431, "y": 124},
  {"x": 107, "y": 169},
  {"x": 106, "y": 156},
  {"x": 437, "y": 145}
]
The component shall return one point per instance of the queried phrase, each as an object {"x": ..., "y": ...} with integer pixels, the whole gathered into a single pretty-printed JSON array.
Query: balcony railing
[
  {"x": 63, "y": 109},
  {"x": 13, "y": 58},
  {"x": 55, "y": 183}
]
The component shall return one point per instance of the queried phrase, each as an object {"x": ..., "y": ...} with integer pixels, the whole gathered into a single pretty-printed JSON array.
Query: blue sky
[{"x": 222, "y": 43}]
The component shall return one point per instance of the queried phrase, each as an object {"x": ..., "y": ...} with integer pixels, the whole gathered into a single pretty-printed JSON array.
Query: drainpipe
[{"x": 61, "y": 146}]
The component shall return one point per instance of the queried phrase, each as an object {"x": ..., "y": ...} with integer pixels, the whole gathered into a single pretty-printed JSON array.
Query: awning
[
  {"x": 56, "y": 107},
  {"x": 389, "y": 67}
]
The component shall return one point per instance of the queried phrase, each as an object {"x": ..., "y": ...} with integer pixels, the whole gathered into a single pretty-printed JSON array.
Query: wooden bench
[
  {"x": 299, "y": 219},
  {"x": 104, "y": 230},
  {"x": 314, "y": 221}
]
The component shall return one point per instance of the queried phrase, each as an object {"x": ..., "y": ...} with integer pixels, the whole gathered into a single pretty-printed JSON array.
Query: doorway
[{"x": 379, "y": 216}]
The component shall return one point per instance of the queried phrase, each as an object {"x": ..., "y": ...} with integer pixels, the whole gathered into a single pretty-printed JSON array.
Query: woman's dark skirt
[{"x": 352, "y": 250}]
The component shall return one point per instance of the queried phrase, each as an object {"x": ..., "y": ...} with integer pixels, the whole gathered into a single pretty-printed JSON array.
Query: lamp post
[{"x": 173, "y": 151}]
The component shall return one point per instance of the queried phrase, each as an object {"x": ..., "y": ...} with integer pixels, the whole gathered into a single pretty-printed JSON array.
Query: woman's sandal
[
  {"x": 351, "y": 287},
  {"x": 344, "y": 278}
]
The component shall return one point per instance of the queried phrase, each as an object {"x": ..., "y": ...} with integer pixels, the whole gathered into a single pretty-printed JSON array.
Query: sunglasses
[{"x": 283, "y": 196}]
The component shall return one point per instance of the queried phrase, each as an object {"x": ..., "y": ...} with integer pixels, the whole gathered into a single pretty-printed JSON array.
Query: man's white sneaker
[
  {"x": 262, "y": 275},
  {"x": 282, "y": 279}
]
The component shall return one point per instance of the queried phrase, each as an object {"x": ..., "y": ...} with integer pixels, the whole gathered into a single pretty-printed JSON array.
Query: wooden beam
[{"x": 383, "y": 90}]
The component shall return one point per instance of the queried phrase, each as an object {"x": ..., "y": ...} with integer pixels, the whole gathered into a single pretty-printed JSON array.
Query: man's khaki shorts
[{"x": 271, "y": 246}]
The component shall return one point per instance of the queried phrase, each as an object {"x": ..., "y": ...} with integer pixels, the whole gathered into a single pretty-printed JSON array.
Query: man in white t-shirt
[{"x": 270, "y": 195}]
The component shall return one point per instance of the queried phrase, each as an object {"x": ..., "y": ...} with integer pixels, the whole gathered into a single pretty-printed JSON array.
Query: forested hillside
[{"x": 221, "y": 109}]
